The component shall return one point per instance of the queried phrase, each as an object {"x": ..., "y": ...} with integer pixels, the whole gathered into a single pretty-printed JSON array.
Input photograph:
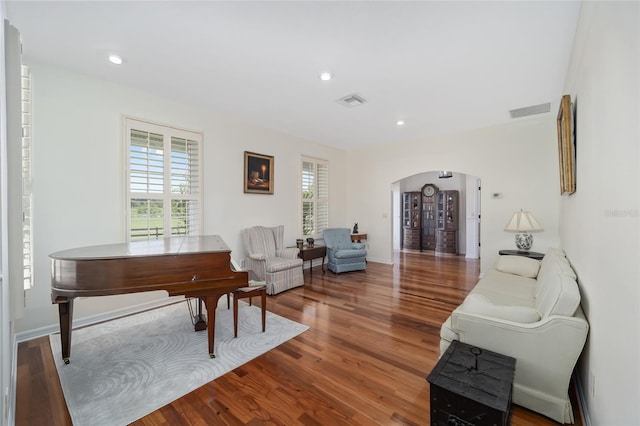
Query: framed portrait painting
[
  {"x": 566, "y": 147},
  {"x": 258, "y": 173}
]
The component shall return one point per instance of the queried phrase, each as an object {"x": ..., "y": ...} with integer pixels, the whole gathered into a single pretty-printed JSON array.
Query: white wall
[
  {"x": 519, "y": 160},
  {"x": 78, "y": 186},
  {"x": 472, "y": 218},
  {"x": 599, "y": 226}
]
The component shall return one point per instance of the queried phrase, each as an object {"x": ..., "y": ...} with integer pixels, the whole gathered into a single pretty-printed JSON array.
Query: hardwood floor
[{"x": 372, "y": 341}]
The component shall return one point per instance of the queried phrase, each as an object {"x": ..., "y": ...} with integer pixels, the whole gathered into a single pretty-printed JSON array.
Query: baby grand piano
[{"x": 193, "y": 266}]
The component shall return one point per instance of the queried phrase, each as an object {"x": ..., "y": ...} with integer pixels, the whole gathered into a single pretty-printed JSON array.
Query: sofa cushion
[
  {"x": 555, "y": 252},
  {"x": 262, "y": 240},
  {"x": 566, "y": 269},
  {"x": 506, "y": 289},
  {"x": 550, "y": 267},
  {"x": 558, "y": 295},
  {"x": 349, "y": 254},
  {"x": 277, "y": 264},
  {"x": 518, "y": 265},
  {"x": 337, "y": 238},
  {"x": 479, "y": 304}
]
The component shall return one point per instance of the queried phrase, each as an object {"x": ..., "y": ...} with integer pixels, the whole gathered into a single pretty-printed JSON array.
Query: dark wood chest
[{"x": 471, "y": 386}]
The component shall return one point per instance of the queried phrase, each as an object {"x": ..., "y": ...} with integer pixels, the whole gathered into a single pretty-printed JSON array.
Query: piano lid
[{"x": 167, "y": 246}]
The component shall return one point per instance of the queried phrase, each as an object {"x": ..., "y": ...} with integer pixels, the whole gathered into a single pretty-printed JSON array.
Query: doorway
[{"x": 468, "y": 187}]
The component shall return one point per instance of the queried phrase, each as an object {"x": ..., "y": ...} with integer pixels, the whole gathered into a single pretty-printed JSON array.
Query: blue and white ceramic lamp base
[{"x": 524, "y": 241}]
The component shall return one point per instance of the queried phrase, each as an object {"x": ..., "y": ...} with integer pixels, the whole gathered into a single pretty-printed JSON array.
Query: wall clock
[{"x": 429, "y": 190}]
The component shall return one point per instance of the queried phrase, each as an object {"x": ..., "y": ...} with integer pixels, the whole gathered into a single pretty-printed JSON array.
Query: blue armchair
[{"x": 344, "y": 256}]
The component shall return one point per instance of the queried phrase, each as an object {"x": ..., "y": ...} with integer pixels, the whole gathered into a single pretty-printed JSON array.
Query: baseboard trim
[
  {"x": 376, "y": 260},
  {"x": 94, "y": 319}
]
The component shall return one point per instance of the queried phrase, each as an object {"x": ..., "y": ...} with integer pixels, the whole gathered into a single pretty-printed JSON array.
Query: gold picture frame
[
  {"x": 566, "y": 147},
  {"x": 258, "y": 173}
]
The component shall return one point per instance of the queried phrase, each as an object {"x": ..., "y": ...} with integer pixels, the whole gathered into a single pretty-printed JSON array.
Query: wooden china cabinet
[
  {"x": 430, "y": 220},
  {"x": 411, "y": 206},
  {"x": 447, "y": 222}
]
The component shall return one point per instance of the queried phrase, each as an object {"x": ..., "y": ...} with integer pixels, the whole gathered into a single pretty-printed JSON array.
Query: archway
[{"x": 469, "y": 211}]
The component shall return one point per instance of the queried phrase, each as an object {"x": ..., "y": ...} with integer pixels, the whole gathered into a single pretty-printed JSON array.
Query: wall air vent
[
  {"x": 352, "y": 100},
  {"x": 530, "y": 110}
]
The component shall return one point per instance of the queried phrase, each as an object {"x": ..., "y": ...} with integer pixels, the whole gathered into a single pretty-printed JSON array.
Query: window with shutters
[
  {"x": 27, "y": 204},
  {"x": 315, "y": 197},
  {"x": 164, "y": 181}
]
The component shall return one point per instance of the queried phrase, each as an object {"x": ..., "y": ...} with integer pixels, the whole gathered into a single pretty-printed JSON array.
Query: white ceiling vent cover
[
  {"x": 530, "y": 110},
  {"x": 352, "y": 100}
]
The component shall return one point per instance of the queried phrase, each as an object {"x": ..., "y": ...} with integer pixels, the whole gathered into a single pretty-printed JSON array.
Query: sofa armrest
[
  {"x": 257, "y": 264},
  {"x": 331, "y": 253},
  {"x": 546, "y": 350},
  {"x": 358, "y": 246},
  {"x": 288, "y": 252}
]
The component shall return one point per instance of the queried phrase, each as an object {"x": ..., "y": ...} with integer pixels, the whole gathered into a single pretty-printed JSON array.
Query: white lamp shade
[{"x": 523, "y": 222}]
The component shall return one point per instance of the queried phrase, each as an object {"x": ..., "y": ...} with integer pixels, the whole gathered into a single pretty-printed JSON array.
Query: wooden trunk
[{"x": 471, "y": 386}]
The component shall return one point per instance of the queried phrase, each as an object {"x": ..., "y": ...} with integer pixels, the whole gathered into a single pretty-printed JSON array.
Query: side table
[
  {"x": 357, "y": 238},
  {"x": 310, "y": 253},
  {"x": 529, "y": 254}
]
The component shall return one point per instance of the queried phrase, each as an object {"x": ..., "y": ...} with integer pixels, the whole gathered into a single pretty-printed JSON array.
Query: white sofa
[{"x": 530, "y": 310}]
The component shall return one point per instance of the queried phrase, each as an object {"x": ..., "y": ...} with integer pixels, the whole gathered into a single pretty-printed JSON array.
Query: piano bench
[{"x": 242, "y": 294}]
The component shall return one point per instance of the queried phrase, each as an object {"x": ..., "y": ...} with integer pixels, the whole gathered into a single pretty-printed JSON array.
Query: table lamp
[{"x": 523, "y": 223}]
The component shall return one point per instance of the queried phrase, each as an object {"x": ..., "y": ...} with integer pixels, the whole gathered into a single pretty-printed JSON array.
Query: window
[
  {"x": 164, "y": 181},
  {"x": 27, "y": 209},
  {"x": 315, "y": 197}
]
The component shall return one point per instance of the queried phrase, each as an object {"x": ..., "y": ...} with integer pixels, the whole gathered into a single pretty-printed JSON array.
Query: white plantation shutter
[
  {"x": 315, "y": 196},
  {"x": 322, "y": 200},
  {"x": 27, "y": 204},
  {"x": 146, "y": 162},
  {"x": 185, "y": 167},
  {"x": 185, "y": 186},
  {"x": 308, "y": 204},
  {"x": 164, "y": 181}
]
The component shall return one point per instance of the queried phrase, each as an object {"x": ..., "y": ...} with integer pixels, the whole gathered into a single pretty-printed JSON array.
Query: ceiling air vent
[
  {"x": 352, "y": 100},
  {"x": 530, "y": 110}
]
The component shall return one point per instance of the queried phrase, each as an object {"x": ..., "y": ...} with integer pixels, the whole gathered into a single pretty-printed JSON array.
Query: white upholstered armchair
[{"x": 278, "y": 266}]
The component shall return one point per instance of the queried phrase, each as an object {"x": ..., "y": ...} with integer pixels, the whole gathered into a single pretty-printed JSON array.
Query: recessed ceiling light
[
  {"x": 115, "y": 59},
  {"x": 325, "y": 76},
  {"x": 400, "y": 122}
]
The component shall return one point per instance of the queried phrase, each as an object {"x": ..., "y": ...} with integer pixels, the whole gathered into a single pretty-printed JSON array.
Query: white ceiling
[{"x": 443, "y": 67}]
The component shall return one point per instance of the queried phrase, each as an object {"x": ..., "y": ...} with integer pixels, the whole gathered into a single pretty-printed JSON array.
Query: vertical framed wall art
[
  {"x": 258, "y": 173},
  {"x": 566, "y": 147}
]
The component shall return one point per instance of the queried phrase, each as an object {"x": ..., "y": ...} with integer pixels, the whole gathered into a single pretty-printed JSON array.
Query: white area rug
[{"x": 124, "y": 369}]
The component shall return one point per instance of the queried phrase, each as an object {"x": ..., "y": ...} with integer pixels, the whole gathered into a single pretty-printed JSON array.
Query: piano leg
[
  {"x": 65, "y": 311},
  {"x": 211, "y": 303}
]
